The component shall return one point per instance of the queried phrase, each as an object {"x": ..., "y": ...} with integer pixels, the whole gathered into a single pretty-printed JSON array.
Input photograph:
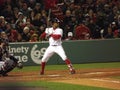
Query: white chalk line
[
  {"x": 104, "y": 80},
  {"x": 54, "y": 75},
  {"x": 100, "y": 73},
  {"x": 95, "y": 73},
  {"x": 31, "y": 77}
]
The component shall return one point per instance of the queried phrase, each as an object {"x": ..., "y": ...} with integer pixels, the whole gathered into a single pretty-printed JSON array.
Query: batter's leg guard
[
  {"x": 42, "y": 68},
  {"x": 71, "y": 68}
]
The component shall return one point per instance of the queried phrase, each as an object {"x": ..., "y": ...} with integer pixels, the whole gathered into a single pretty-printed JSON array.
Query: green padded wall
[{"x": 83, "y": 51}]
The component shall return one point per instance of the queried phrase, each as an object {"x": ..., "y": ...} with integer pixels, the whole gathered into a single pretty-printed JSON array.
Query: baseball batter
[{"x": 55, "y": 34}]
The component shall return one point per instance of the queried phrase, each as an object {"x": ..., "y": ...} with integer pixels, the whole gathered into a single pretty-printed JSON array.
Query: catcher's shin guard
[
  {"x": 8, "y": 66},
  {"x": 3, "y": 70}
]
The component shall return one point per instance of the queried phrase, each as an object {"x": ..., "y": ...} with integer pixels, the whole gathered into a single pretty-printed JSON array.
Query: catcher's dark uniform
[{"x": 11, "y": 63}]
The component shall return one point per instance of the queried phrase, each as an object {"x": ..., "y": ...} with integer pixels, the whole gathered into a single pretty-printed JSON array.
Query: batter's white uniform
[{"x": 54, "y": 45}]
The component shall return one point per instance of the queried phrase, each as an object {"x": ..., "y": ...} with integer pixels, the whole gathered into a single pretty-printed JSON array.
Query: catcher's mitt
[{"x": 19, "y": 65}]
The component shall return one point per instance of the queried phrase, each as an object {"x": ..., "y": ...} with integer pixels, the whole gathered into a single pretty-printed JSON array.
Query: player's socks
[
  {"x": 42, "y": 68},
  {"x": 72, "y": 70}
]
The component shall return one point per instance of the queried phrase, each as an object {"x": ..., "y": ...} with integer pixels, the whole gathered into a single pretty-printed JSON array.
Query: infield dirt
[{"x": 88, "y": 77}]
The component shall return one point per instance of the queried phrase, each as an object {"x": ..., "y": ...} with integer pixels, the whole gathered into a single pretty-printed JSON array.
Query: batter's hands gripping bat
[{"x": 48, "y": 24}]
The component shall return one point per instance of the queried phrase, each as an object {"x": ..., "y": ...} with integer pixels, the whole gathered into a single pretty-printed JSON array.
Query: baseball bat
[{"x": 48, "y": 18}]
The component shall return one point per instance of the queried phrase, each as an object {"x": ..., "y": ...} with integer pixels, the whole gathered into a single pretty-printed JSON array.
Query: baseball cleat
[
  {"x": 41, "y": 73},
  {"x": 72, "y": 71},
  {"x": 3, "y": 75}
]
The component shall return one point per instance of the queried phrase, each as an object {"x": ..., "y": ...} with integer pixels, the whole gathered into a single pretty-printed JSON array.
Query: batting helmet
[{"x": 55, "y": 20}]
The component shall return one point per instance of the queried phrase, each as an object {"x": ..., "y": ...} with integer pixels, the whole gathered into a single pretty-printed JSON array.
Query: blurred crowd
[{"x": 26, "y": 20}]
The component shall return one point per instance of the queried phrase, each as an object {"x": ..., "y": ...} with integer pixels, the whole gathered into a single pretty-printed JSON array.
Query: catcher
[{"x": 7, "y": 61}]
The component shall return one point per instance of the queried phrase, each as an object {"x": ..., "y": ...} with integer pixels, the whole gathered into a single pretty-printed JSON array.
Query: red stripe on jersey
[{"x": 56, "y": 36}]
